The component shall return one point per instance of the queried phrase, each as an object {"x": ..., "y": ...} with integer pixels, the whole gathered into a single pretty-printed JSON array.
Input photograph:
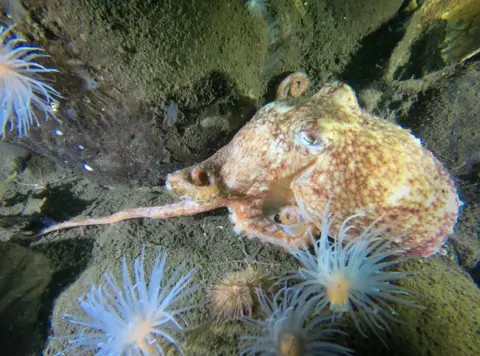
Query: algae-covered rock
[
  {"x": 204, "y": 244},
  {"x": 450, "y": 323},
  {"x": 440, "y": 33},
  {"x": 446, "y": 321},
  {"x": 446, "y": 118},
  {"x": 153, "y": 48},
  {"x": 24, "y": 276},
  {"x": 208, "y": 244},
  {"x": 121, "y": 62}
]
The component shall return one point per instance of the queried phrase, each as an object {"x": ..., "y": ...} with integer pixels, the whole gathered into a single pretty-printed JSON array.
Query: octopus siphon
[{"x": 297, "y": 156}]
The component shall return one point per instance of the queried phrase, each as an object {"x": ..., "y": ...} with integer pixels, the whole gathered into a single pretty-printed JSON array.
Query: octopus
[{"x": 296, "y": 157}]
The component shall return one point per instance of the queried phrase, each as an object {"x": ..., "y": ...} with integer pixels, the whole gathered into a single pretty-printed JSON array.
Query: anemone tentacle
[
  {"x": 135, "y": 317},
  {"x": 22, "y": 90}
]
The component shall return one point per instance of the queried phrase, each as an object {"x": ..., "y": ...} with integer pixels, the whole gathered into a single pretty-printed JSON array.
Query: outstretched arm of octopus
[{"x": 182, "y": 208}]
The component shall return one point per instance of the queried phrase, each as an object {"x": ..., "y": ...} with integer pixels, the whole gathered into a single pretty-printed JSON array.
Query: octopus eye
[{"x": 309, "y": 138}]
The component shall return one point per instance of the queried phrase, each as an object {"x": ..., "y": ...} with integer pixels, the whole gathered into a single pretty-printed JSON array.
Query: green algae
[
  {"x": 155, "y": 48},
  {"x": 25, "y": 276},
  {"x": 445, "y": 321},
  {"x": 158, "y": 49},
  {"x": 450, "y": 324},
  {"x": 446, "y": 120},
  {"x": 466, "y": 239}
]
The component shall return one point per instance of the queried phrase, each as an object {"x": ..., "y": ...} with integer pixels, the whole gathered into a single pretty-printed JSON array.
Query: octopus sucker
[{"x": 283, "y": 167}]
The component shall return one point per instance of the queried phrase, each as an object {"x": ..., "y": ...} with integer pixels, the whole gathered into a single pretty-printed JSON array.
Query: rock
[
  {"x": 447, "y": 119},
  {"x": 24, "y": 277}
]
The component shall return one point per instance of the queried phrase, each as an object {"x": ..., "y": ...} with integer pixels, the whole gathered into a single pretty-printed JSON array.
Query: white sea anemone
[
  {"x": 256, "y": 7},
  {"x": 22, "y": 90},
  {"x": 136, "y": 318},
  {"x": 286, "y": 329},
  {"x": 349, "y": 274}
]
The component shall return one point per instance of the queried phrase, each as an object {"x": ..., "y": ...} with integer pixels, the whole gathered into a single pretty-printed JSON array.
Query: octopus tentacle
[{"x": 182, "y": 208}]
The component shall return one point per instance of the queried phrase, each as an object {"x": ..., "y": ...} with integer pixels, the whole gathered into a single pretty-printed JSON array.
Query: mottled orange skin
[
  {"x": 279, "y": 172},
  {"x": 363, "y": 165},
  {"x": 294, "y": 85}
]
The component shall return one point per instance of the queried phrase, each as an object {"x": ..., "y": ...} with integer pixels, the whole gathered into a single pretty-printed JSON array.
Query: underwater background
[{"x": 150, "y": 87}]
